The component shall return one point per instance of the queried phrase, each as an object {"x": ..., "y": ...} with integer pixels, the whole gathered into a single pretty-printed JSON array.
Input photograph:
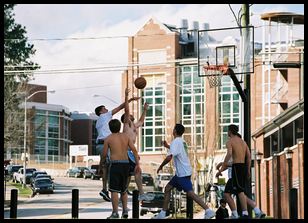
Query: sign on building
[{"x": 78, "y": 150}]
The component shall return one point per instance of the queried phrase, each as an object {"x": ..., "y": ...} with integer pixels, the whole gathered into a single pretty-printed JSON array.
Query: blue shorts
[
  {"x": 181, "y": 183},
  {"x": 131, "y": 156},
  {"x": 132, "y": 162}
]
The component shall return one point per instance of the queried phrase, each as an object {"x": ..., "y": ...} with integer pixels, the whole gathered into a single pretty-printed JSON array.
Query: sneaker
[
  {"x": 113, "y": 215},
  {"x": 145, "y": 197},
  {"x": 208, "y": 214},
  {"x": 160, "y": 215},
  {"x": 260, "y": 215},
  {"x": 125, "y": 214},
  {"x": 244, "y": 217},
  {"x": 105, "y": 195},
  {"x": 234, "y": 216}
]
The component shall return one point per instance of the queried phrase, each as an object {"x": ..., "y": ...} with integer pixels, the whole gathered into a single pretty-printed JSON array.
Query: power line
[
  {"x": 99, "y": 86},
  {"x": 97, "y": 69},
  {"x": 91, "y": 38}
]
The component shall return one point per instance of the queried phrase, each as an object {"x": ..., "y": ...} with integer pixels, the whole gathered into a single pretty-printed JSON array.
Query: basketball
[{"x": 140, "y": 82}]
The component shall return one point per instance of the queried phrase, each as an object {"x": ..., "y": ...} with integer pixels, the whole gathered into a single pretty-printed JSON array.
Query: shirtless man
[
  {"x": 131, "y": 129},
  {"x": 103, "y": 132},
  {"x": 239, "y": 151},
  {"x": 118, "y": 144},
  {"x": 229, "y": 191}
]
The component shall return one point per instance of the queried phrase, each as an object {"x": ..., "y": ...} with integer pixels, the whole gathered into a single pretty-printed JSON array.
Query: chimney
[
  {"x": 195, "y": 33},
  {"x": 183, "y": 28},
  {"x": 205, "y": 38}
]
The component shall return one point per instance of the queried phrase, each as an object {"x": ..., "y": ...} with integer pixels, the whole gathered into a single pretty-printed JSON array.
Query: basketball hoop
[{"x": 214, "y": 74}]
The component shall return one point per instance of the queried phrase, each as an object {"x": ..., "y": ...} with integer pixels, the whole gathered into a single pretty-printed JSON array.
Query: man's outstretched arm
[
  {"x": 126, "y": 106},
  {"x": 121, "y": 106},
  {"x": 166, "y": 161},
  {"x": 142, "y": 117}
]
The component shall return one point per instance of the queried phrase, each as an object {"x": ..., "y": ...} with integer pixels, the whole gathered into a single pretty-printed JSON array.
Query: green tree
[{"x": 18, "y": 69}]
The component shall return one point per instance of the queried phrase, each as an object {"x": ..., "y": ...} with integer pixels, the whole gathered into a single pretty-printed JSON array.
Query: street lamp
[
  {"x": 25, "y": 133},
  {"x": 99, "y": 95},
  {"x": 193, "y": 131},
  {"x": 259, "y": 157}
]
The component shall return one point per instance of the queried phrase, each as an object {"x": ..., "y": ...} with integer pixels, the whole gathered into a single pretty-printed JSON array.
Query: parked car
[
  {"x": 93, "y": 173},
  {"x": 76, "y": 172},
  {"x": 147, "y": 182},
  {"x": 19, "y": 175},
  {"x": 39, "y": 176},
  {"x": 147, "y": 179},
  {"x": 35, "y": 173},
  {"x": 157, "y": 203},
  {"x": 42, "y": 185},
  {"x": 87, "y": 173},
  {"x": 11, "y": 169},
  {"x": 154, "y": 205},
  {"x": 162, "y": 180}
]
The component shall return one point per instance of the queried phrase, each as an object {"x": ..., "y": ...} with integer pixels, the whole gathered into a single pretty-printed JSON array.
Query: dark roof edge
[{"x": 281, "y": 118}]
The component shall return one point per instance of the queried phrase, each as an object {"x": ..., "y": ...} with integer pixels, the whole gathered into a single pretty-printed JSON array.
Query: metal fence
[{"x": 44, "y": 161}]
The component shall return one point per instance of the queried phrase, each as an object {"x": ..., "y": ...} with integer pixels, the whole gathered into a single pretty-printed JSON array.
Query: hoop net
[{"x": 214, "y": 74}]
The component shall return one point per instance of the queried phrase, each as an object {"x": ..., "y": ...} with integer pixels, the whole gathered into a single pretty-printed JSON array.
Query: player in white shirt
[{"x": 182, "y": 179}]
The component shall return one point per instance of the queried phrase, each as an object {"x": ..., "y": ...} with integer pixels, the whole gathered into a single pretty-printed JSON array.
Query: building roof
[
  {"x": 83, "y": 116},
  {"x": 284, "y": 17},
  {"x": 166, "y": 28},
  {"x": 49, "y": 107}
]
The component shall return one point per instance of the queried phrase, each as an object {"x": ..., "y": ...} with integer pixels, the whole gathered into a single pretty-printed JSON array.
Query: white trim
[
  {"x": 152, "y": 50},
  {"x": 292, "y": 119},
  {"x": 48, "y": 107},
  {"x": 284, "y": 124},
  {"x": 152, "y": 73},
  {"x": 271, "y": 132}
]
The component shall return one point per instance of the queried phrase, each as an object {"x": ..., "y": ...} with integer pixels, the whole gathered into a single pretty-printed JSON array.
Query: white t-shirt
[
  {"x": 102, "y": 125},
  {"x": 178, "y": 149}
]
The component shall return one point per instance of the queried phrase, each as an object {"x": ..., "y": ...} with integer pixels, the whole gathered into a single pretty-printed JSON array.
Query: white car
[{"x": 161, "y": 180}]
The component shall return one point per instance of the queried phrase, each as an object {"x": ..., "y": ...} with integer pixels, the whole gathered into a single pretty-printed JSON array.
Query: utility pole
[{"x": 246, "y": 57}]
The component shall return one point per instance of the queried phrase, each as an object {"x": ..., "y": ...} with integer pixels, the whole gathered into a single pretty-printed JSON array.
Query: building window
[
  {"x": 287, "y": 136},
  {"x": 153, "y": 130},
  {"x": 192, "y": 90},
  {"x": 229, "y": 108},
  {"x": 47, "y": 129},
  {"x": 274, "y": 143},
  {"x": 299, "y": 129}
]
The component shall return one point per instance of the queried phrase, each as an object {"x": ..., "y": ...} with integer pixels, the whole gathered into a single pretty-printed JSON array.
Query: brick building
[
  {"x": 166, "y": 56},
  {"x": 277, "y": 111}
]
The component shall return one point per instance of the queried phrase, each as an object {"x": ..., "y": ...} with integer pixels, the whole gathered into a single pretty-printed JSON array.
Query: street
[{"x": 58, "y": 205}]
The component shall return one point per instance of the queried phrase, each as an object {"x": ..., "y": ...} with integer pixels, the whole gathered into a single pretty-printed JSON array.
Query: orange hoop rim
[{"x": 222, "y": 68}]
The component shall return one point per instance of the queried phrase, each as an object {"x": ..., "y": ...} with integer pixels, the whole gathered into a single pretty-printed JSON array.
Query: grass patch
[{"x": 25, "y": 192}]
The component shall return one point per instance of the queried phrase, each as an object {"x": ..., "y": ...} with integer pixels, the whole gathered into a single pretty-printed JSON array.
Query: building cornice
[{"x": 281, "y": 118}]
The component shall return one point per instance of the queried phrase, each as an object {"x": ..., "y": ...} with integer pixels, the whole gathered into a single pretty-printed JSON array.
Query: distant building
[
  {"x": 83, "y": 131},
  {"x": 51, "y": 128},
  {"x": 48, "y": 129}
]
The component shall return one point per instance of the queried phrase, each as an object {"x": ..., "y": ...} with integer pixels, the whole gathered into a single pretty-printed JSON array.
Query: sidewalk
[{"x": 7, "y": 198}]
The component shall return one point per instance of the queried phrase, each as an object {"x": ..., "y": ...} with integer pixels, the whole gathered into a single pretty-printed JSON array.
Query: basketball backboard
[{"x": 232, "y": 46}]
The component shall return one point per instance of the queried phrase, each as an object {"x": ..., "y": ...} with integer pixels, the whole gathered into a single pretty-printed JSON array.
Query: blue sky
[{"x": 76, "y": 90}]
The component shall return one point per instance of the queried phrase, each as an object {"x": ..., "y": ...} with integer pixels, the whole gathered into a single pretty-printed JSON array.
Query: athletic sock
[
  {"x": 244, "y": 212},
  {"x": 234, "y": 213},
  {"x": 257, "y": 210},
  {"x": 163, "y": 212}
]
